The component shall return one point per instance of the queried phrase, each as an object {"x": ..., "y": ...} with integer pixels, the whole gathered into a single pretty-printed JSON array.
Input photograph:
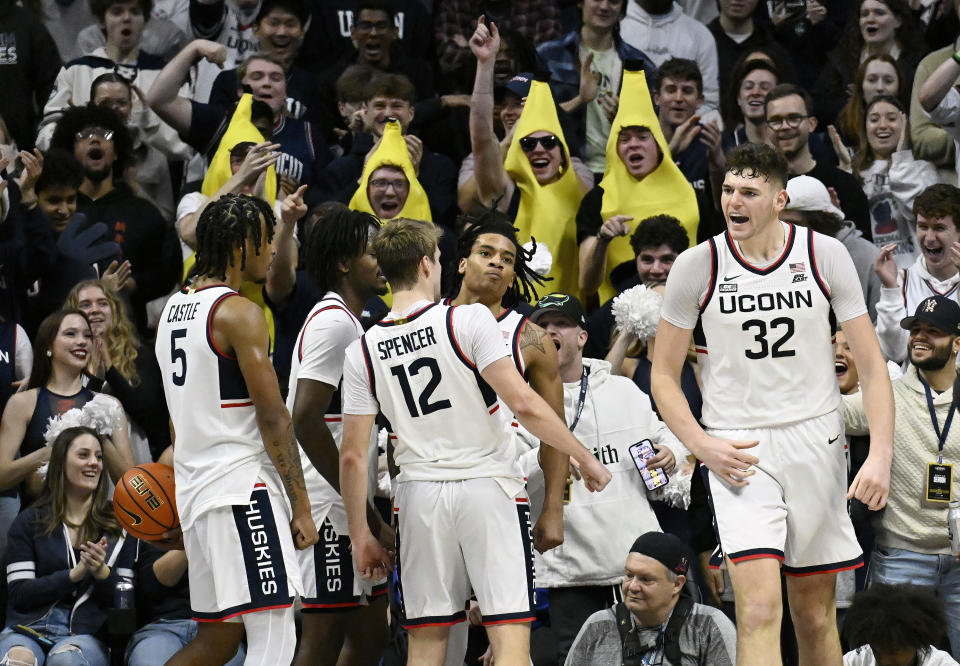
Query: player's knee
[
  {"x": 757, "y": 612},
  {"x": 18, "y": 656},
  {"x": 812, "y": 620}
]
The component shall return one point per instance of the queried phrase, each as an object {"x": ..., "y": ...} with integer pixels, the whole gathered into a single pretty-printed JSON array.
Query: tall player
[
  {"x": 463, "y": 520},
  {"x": 492, "y": 263},
  {"x": 344, "y": 617},
  {"x": 235, "y": 455},
  {"x": 760, "y": 297}
]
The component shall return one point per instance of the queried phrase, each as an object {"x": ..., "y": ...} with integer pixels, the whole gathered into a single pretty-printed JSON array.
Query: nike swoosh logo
[
  {"x": 727, "y": 278},
  {"x": 831, "y": 441},
  {"x": 134, "y": 517}
]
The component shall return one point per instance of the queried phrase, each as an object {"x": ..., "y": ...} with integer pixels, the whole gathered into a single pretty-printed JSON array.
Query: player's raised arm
[{"x": 242, "y": 325}]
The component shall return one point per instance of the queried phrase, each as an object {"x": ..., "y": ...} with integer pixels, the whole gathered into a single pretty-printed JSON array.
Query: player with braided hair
[
  {"x": 492, "y": 267},
  {"x": 236, "y": 455},
  {"x": 344, "y": 616},
  {"x": 221, "y": 230}
]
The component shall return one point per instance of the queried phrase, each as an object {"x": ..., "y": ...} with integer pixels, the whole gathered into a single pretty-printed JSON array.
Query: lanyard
[
  {"x": 582, "y": 399},
  {"x": 941, "y": 436}
]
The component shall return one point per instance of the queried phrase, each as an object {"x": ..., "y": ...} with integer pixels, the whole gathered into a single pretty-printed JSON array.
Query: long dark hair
[
  {"x": 850, "y": 118},
  {"x": 42, "y": 367},
  {"x": 53, "y": 498},
  {"x": 864, "y": 156},
  {"x": 908, "y": 35}
]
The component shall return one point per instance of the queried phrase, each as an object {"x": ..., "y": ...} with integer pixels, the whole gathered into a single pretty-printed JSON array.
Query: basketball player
[
  {"x": 491, "y": 263},
  {"x": 344, "y": 617},
  {"x": 760, "y": 297},
  {"x": 462, "y": 516},
  {"x": 235, "y": 455}
]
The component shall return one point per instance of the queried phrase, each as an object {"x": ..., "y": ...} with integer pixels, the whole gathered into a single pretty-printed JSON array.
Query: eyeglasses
[
  {"x": 384, "y": 183},
  {"x": 370, "y": 26},
  {"x": 792, "y": 121},
  {"x": 104, "y": 134},
  {"x": 529, "y": 143}
]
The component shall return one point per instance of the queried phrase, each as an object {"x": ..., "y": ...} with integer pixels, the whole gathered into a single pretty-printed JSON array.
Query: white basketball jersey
[
  {"x": 915, "y": 288},
  {"x": 765, "y": 338},
  {"x": 219, "y": 453},
  {"x": 330, "y": 312},
  {"x": 443, "y": 413}
]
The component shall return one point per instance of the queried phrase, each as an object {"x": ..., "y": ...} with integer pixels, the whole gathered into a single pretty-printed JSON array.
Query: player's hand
[
  {"x": 885, "y": 267},
  {"x": 548, "y": 532},
  {"x": 595, "y": 474},
  {"x": 613, "y": 227},
  {"x": 304, "y": 531},
  {"x": 474, "y": 616},
  {"x": 370, "y": 557},
  {"x": 172, "y": 540},
  {"x": 728, "y": 460},
  {"x": 662, "y": 459},
  {"x": 713, "y": 579},
  {"x": 486, "y": 659},
  {"x": 872, "y": 483},
  {"x": 485, "y": 42}
]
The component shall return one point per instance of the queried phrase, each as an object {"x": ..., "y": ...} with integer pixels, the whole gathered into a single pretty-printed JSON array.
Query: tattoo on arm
[{"x": 532, "y": 336}]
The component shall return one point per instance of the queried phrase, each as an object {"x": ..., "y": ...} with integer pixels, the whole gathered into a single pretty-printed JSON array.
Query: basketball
[{"x": 144, "y": 501}]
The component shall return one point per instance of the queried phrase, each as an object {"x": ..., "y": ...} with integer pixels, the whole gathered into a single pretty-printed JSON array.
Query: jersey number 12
[{"x": 426, "y": 407}]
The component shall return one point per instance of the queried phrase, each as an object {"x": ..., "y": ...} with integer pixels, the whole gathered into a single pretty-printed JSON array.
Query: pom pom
[
  {"x": 677, "y": 492},
  {"x": 102, "y": 414},
  {"x": 542, "y": 259},
  {"x": 637, "y": 310}
]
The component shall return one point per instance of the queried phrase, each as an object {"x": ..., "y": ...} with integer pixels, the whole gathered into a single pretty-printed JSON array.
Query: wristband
[{"x": 956, "y": 57}]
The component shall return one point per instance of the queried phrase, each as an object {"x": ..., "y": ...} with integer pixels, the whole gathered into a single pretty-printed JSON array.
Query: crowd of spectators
[{"x": 598, "y": 128}]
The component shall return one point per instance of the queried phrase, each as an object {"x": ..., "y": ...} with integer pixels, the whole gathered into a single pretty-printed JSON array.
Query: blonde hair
[
  {"x": 122, "y": 342},
  {"x": 400, "y": 245}
]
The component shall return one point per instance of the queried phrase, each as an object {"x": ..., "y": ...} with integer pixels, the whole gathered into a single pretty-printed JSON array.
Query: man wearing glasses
[{"x": 789, "y": 126}]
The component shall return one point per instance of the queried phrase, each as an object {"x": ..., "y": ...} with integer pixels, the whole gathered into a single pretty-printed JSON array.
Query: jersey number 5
[
  {"x": 426, "y": 407},
  {"x": 775, "y": 351},
  {"x": 177, "y": 355}
]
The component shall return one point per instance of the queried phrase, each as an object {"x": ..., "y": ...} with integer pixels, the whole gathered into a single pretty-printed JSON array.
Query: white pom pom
[
  {"x": 102, "y": 414},
  {"x": 542, "y": 259},
  {"x": 638, "y": 310},
  {"x": 42, "y": 470}
]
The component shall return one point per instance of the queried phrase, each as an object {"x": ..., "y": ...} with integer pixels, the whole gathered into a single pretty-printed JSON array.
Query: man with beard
[
  {"x": 788, "y": 110},
  {"x": 913, "y": 541},
  {"x": 99, "y": 140}
]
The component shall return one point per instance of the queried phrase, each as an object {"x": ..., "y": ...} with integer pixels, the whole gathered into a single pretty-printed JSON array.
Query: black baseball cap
[
  {"x": 664, "y": 548},
  {"x": 519, "y": 85},
  {"x": 565, "y": 304},
  {"x": 938, "y": 311}
]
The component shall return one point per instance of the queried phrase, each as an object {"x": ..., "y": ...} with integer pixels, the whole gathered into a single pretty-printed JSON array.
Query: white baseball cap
[{"x": 808, "y": 193}]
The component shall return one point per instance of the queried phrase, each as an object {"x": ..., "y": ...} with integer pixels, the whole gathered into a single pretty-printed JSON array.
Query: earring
[{"x": 49, "y": 353}]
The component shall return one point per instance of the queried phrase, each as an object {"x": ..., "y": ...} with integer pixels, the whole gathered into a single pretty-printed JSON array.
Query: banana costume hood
[
  {"x": 392, "y": 151},
  {"x": 240, "y": 129},
  {"x": 663, "y": 191},
  {"x": 548, "y": 212}
]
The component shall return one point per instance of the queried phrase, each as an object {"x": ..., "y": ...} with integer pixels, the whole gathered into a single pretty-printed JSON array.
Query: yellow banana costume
[
  {"x": 548, "y": 212},
  {"x": 392, "y": 151},
  {"x": 664, "y": 191}
]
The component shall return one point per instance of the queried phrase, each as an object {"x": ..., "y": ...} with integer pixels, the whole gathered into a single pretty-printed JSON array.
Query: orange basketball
[{"x": 144, "y": 501}]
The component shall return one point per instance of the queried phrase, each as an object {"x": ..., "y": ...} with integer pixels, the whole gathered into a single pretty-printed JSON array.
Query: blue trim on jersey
[
  {"x": 756, "y": 554},
  {"x": 404, "y": 320},
  {"x": 813, "y": 265},
  {"x": 488, "y": 394},
  {"x": 714, "y": 267},
  {"x": 515, "y": 344},
  {"x": 832, "y": 567},
  {"x": 772, "y": 267},
  {"x": 436, "y": 620},
  {"x": 262, "y": 551},
  {"x": 369, "y": 363},
  {"x": 209, "y": 326}
]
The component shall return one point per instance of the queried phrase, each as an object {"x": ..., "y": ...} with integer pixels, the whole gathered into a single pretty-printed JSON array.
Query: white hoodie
[{"x": 599, "y": 528}]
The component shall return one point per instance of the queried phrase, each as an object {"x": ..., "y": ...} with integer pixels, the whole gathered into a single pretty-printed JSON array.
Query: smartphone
[{"x": 641, "y": 452}]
